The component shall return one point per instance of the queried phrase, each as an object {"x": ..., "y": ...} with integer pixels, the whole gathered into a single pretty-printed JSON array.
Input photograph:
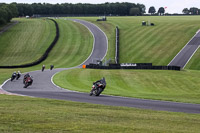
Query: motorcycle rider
[
  {"x": 51, "y": 67},
  {"x": 28, "y": 81},
  {"x": 25, "y": 77},
  {"x": 100, "y": 83},
  {"x": 13, "y": 76},
  {"x": 18, "y": 75},
  {"x": 43, "y": 67}
]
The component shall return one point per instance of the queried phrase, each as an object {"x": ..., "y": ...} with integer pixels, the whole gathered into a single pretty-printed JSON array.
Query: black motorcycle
[
  {"x": 18, "y": 76},
  {"x": 98, "y": 87},
  {"x": 13, "y": 76},
  {"x": 27, "y": 82}
]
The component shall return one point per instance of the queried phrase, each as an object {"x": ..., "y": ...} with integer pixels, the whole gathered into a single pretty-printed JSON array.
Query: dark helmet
[
  {"x": 103, "y": 80},
  {"x": 27, "y": 75}
]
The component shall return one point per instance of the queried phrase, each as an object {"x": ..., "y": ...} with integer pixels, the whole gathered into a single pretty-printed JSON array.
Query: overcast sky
[{"x": 173, "y": 6}]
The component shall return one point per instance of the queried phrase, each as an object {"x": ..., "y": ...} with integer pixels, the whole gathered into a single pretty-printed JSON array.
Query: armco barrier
[
  {"x": 44, "y": 56},
  {"x": 118, "y": 66},
  {"x": 117, "y": 46}
]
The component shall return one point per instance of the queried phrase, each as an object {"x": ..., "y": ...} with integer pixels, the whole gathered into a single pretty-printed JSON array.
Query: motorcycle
[
  {"x": 27, "y": 82},
  {"x": 13, "y": 77},
  {"x": 97, "y": 88},
  {"x": 18, "y": 76}
]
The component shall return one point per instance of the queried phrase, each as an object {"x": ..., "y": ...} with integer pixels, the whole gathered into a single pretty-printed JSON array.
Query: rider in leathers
[{"x": 103, "y": 86}]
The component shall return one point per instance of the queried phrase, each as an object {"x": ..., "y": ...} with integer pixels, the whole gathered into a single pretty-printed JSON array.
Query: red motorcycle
[{"x": 27, "y": 82}]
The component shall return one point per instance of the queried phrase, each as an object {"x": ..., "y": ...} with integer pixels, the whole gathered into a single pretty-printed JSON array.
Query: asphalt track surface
[
  {"x": 43, "y": 86},
  {"x": 184, "y": 56}
]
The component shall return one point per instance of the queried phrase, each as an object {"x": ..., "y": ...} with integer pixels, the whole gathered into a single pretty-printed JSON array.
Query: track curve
[{"x": 44, "y": 88}]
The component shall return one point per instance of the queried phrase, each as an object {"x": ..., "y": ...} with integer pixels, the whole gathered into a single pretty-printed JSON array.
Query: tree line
[
  {"x": 7, "y": 12},
  {"x": 186, "y": 11},
  {"x": 192, "y": 11},
  {"x": 121, "y": 9}
]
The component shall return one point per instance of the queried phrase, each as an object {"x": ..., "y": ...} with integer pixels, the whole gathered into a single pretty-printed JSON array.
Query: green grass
[
  {"x": 73, "y": 47},
  {"x": 74, "y": 42},
  {"x": 157, "y": 44},
  {"x": 23, "y": 114},
  {"x": 194, "y": 63},
  {"x": 26, "y": 41},
  {"x": 31, "y": 37},
  {"x": 179, "y": 86}
]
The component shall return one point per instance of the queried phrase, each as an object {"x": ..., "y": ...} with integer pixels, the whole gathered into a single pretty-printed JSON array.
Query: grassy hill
[
  {"x": 26, "y": 41},
  {"x": 74, "y": 42},
  {"x": 154, "y": 44},
  {"x": 73, "y": 47}
]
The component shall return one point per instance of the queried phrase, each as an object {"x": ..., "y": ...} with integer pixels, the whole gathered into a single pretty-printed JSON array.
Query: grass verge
[{"x": 23, "y": 114}]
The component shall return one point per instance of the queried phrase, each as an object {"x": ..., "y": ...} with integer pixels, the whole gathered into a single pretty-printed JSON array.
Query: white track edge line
[
  {"x": 9, "y": 93},
  {"x": 87, "y": 58},
  {"x": 191, "y": 56},
  {"x": 93, "y": 42},
  {"x": 104, "y": 35},
  {"x": 9, "y": 79},
  {"x": 183, "y": 48}
]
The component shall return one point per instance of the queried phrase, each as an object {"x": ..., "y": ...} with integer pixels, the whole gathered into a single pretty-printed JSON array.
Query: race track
[
  {"x": 44, "y": 88},
  {"x": 8, "y": 27},
  {"x": 184, "y": 56}
]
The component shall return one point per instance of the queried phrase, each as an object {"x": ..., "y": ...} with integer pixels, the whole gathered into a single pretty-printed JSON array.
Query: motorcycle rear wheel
[{"x": 99, "y": 92}]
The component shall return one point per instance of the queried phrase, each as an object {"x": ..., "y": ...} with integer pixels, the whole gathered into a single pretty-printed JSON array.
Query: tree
[
  {"x": 3, "y": 16},
  {"x": 161, "y": 11},
  {"x": 134, "y": 11},
  {"x": 152, "y": 10},
  {"x": 194, "y": 11},
  {"x": 142, "y": 9},
  {"x": 186, "y": 11},
  {"x": 13, "y": 9},
  {"x": 7, "y": 12}
]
